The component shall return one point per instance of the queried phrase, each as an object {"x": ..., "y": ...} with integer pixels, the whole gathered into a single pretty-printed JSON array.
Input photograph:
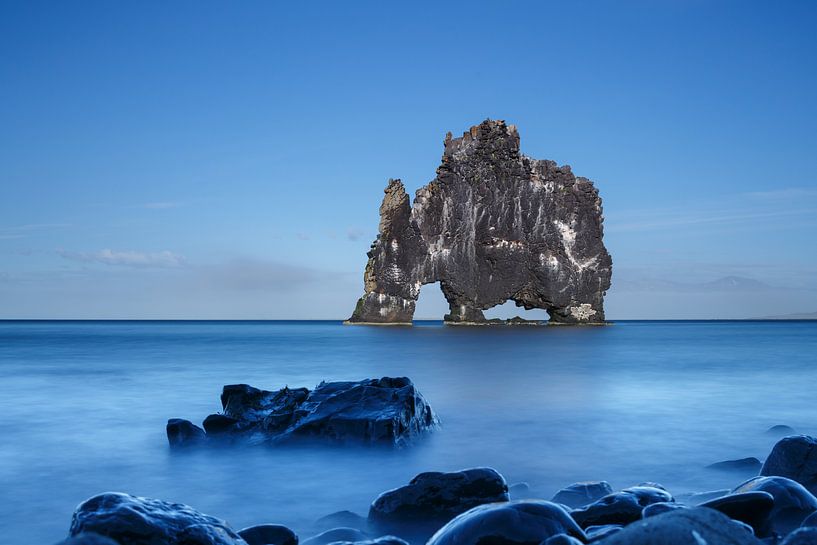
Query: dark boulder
[
  {"x": 597, "y": 533},
  {"x": 374, "y": 411},
  {"x": 382, "y": 540},
  {"x": 183, "y": 433},
  {"x": 621, "y": 507},
  {"x": 792, "y": 502},
  {"x": 654, "y": 509},
  {"x": 753, "y": 508},
  {"x": 810, "y": 520},
  {"x": 562, "y": 539},
  {"x": 132, "y": 520},
  {"x": 336, "y": 534},
  {"x": 697, "y": 498},
  {"x": 431, "y": 499},
  {"x": 583, "y": 493},
  {"x": 794, "y": 457},
  {"x": 88, "y": 538},
  {"x": 268, "y": 534},
  {"x": 346, "y": 519},
  {"x": 696, "y": 526},
  {"x": 752, "y": 465},
  {"x": 801, "y": 536},
  {"x": 524, "y": 522}
]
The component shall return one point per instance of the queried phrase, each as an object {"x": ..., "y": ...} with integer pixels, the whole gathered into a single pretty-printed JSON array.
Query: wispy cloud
[{"x": 164, "y": 259}]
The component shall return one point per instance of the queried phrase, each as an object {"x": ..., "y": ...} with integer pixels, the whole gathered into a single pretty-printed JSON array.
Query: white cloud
[{"x": 164, "y": 259}]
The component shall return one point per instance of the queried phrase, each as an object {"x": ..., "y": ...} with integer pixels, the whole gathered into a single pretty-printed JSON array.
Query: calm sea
[{"x": 84, "y": 407}]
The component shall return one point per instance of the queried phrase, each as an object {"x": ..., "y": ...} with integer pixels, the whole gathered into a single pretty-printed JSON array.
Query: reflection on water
[{"x": 84, "y": 407}]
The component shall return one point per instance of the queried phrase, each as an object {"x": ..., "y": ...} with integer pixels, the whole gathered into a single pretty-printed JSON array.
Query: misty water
[{"x": 84, "y": 408}]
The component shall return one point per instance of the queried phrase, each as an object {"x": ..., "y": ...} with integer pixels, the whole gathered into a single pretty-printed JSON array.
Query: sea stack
[{"x": 494, "y": 225}]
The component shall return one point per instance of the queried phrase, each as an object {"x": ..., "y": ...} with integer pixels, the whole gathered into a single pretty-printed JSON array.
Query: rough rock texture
[
  {"x": 376, "y": 411},
  {"x": 431, "y": 499},
  {"x": 621, "y": 507},
  {"x": 794, "y": 457},
  {"x": 696, "y": 526},
  {"x": 131, "y": 520},
  {"x": 525, "y": 522},
  {"x": 492, "y": 226},
  {"x": 792, "y": 502}
]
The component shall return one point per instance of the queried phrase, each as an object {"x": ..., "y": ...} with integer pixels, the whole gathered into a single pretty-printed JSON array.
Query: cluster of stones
[
  {"x": 493, "y": 226},
  {"x": 475, "y": 507},
  {"x": 373, "y": 411}
]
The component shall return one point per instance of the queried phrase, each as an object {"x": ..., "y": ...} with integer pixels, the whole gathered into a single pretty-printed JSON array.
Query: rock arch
[{"x": 494, "y": 225}]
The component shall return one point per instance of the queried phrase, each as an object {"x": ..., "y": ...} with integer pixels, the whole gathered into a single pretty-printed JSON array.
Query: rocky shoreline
[{"x": 477, "y": 507}]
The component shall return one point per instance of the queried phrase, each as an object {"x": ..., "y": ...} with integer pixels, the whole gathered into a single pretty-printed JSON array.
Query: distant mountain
[{"x": 801, "y": 316}]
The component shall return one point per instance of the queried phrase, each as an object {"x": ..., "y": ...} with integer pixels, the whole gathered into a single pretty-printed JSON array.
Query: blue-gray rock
[
  {"x": 781, "y": 430},
  {"x": 697, "y": 498},
  {"x": 268, "y": 534},
  {"x": 621, "y": 507},
  {"x": 562, "y": 539},
  {"x": 582, "y": 493},
  {"x": 794, "y": 457},
  {"x": 433, "y": 498},
  {"x": 695, "y": 526},
  {"x": 661, "y": 507},
  {"x": 336, "y": 534},
  {"x": 792, "y": 502},
  {"x": 519, "y": 491},
  {"x": 382, "y": 540},
  {"x": 183, "y": 433},
  {"x": 753, "y": 508},
  {"x": 374, "y": 411},
  {"x": 746, "y": 465},
  {"x": 523, "y": 522},
  {"x": 464, "y": 231},
  {"x": 810, "y": 520},
  {"x": 597, "y": 533},
  {"x": 88, "y": 538},
  {"x": 132, "y": 520},
  {"x": 346, "y": 519},
  {"x": 801, "y": 536}
]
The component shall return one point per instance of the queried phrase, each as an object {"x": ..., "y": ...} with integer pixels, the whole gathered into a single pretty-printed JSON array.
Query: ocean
[{"x": 84, "y": 407}]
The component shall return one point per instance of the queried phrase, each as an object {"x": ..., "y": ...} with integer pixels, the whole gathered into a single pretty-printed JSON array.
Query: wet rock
[
  {"x": 781, "y": 430},
  {"x": 336, "y": 534},
  {"x": 493, "y": 226},
  {"x": 519, "y": 491},
  {"x": 132, "y": 520},
  {"x": 801, "y": 536},
  {"x": 346, "y": 519},
  {"x": 374, "y": 411},
  {"x": 810, "y": 520},
  {"x": 431, "y": 499},
  {"x": 597, "y": 533},
  {"x": 582, "y": 493},
  {"x": 794, "y": 457},
  {"x": 621, "y": 507},
  {"x": 743, "y": 465},
  {"x": 696, "y": 526},
  {"x": 524, "y": 522},
  {"x": 661, "y": 507},
  {"x": 268, "y": 534},
  {"x": 753, "y": 508},
  {"x": 88, "y": 538},
  {"x": 382, "y": 540},
  {"x": 792, "y": 502},
  {"x": 697, "y": 498},
  {"x": 183, "y": 433},
  {"x": 562, "y": 539}
]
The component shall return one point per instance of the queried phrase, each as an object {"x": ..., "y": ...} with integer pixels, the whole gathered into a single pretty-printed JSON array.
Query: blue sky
[{"x": 227, "y": 160}]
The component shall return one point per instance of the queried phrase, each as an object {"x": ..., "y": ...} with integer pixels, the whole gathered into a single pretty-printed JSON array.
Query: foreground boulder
[
  {"x": 794, "y": 457},
  {"x": 268, "y": 534},
  {"x": 335, "y": 535},
  {"x": 792, "y": 502},
  {"x": 752, "y": 508},
  {"x": 524, "y": 522},
  {"x": 431, "y": 499},
  {"x": 131, "y": 520},
  {"x": 374, "y": 411},
  {"x": 801, "y": 536},
  {"x": 582, "y": 493},
  {"x": 621, "y": 507},
  {"x": 88, "y": 538},
  {"x": 696, "y": 526},
  {"x": 493, "y": 226}
]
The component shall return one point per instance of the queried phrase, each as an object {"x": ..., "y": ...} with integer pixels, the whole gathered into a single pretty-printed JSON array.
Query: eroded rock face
[
  {"x": 493, "y": 226},
  {"x": 387, "y": 410}
]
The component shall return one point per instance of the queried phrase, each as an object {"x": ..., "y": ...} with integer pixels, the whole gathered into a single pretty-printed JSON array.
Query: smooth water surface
[{"x": 84, "y": 407}]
